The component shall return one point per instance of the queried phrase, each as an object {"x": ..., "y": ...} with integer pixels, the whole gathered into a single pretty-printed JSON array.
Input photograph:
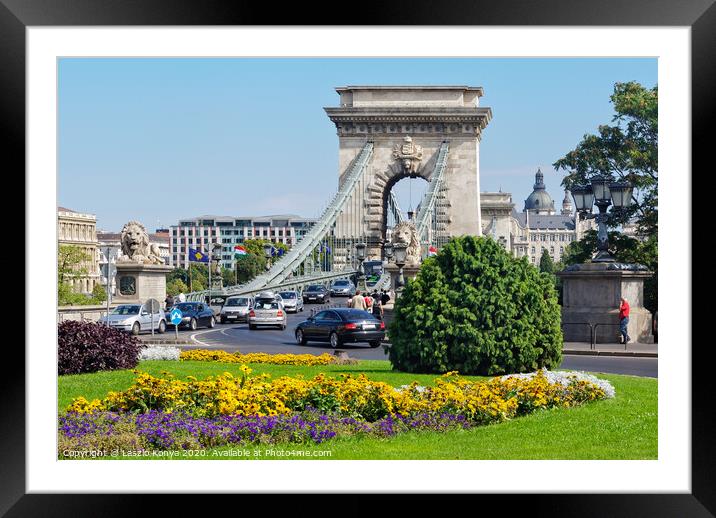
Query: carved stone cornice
[{"x": 401, "y": 121}]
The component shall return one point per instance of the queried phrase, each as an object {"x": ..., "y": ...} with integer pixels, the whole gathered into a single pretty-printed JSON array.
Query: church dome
[{"x": 539, "y": 201}]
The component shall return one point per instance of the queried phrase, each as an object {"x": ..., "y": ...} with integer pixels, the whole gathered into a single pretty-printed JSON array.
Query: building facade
[
  {"x": 537, "y": 228},
  {"x": 199, "y": 233},
  {"x": 80, "y": 230},
  {"x": 109, "y": 246}
]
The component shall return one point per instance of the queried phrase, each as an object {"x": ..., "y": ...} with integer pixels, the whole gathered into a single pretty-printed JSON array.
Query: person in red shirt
[{"x": 624, "y": 320}]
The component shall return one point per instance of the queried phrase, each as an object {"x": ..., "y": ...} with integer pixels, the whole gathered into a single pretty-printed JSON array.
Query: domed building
[
  {"x": 537, "y": 228},
  {"x": 539, "y": 202}
]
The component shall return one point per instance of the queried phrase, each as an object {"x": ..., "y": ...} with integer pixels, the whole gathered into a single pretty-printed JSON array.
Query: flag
[
  {"x": 432, "y": 251},
  {"x": 239, "y": 251},
  {"x": 198, "y": 256}
]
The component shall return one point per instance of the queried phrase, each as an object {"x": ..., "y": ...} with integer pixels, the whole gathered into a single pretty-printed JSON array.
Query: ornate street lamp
[
  {"x": 360, "y": 255},
  {"x": 401, "y": 252},
  {"x": 602, "y": 192},
  {"x": 268, "y": 248}
]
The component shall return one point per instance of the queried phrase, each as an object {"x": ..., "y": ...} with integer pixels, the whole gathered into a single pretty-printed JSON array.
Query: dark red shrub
[{"x": 91, "y": 347}]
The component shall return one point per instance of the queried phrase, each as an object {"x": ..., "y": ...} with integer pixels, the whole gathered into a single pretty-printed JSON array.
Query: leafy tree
[
  {"x": 175, "y": 287},
  {"x": 99, "y": 293},
  {"x": 625, "y": 151},
  {"x": 546, "y": 264},
  {"x": 476, "y": 309},
  {"x": 69, "y": 263},
  {"x": 248, "y": 267}
]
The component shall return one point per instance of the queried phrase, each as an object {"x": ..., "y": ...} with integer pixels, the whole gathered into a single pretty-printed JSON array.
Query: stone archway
[{"x": 429, "y": 115}]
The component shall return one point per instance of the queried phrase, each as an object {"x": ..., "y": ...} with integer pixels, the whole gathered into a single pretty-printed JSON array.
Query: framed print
[{"x": 42, "y": 37}]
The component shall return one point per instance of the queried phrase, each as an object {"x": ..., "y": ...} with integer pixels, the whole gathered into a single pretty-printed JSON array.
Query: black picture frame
[{"x": 700, "y": 15}]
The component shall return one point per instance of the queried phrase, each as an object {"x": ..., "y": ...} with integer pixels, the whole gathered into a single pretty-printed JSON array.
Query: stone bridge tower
[{"x": 428, "y": 115}]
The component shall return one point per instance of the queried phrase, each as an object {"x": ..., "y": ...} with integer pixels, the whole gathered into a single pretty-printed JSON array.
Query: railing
[
  {"x": 303, "y": 248},
  {"x": 592, "y": 331},
  {"x": 428, "y": 203}
]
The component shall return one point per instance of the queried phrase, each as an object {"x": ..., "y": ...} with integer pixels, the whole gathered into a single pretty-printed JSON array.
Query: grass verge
[{"x": 621, "y": 428}]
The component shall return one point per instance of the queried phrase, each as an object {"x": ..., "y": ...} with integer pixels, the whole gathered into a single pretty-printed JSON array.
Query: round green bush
[{"x": 475, "y": 309}]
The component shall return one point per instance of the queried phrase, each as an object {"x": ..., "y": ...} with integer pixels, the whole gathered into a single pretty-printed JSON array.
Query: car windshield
[
  {"x": 266, "y": 304},
  {"x": 287, "y": 295},
  {"x": 185, "y": 306},
  {"x": 315, "y": 287},
  {"x": 126, "y": 310},
  {"x": 341, "y": 283},
  {"x": 237, "y": 302}
]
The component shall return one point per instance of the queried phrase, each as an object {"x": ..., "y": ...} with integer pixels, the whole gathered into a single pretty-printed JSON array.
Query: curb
[
  {"x": 167, "y": 342},
  {"x": 580, "y": 352},
  {"x": 632, "y": 354}
]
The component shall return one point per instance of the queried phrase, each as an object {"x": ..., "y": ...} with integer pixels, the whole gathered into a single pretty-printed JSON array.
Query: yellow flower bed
[
  {"x": 357, "y": 396},
  {"x": 204, "y": 355}
]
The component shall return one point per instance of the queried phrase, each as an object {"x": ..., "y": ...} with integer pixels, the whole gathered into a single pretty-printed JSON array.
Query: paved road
[{"x": 235, "y": 337}]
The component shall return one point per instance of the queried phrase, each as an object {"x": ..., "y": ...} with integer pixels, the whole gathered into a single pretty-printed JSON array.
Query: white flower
[
  {"x": 565, "y": 378},
  {"x": 159, "y": 352}
]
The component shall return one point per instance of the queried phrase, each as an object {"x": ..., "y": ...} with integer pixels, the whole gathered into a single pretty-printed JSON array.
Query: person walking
[
  {"x": 624, "y": 320},
  {"x": 384, "y": 298},
  {"x": 357, "y": 302},
  {"x": 169, "y": 302},
  {"x": 377, "y": 309}
]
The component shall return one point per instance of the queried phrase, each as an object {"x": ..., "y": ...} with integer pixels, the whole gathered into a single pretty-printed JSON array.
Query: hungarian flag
[
  {"x": 239, "y": 250},
  {"x": 432, "y": 251}
]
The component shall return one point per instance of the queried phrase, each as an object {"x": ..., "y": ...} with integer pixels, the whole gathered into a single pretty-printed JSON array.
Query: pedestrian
[
  {"x": 384, "y": 298},
  {"x": 624, "y": 320},
  {"x": 169, "y": 302},
  {"x": 377, "y": 309},
  {"x": 182, "y": 297},
  {"x": 368, "y": 303},
  {"x": 376, "y": 296},
  {"x": 357, "y": 302}
]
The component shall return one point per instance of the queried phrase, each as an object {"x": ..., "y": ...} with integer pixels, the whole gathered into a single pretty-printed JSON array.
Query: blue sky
[{"x": 160, "y": 140}]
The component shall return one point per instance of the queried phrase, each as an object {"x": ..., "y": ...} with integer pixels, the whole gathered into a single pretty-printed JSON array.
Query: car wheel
[
  {"x": 135, "y": 329},
  {"x": 335, "y": 341},
  {"x": 300, "y": 338},
  {"x": 192, "y": 324},
  {"x": 283, "y": 327},
  {"x": 375, "y": 343},
  {"x": 252, "y": 327},
  {"x": 212, "y": 323},
  {"x": 223, "y": 320},
  {"x": 162, "y": 327}
]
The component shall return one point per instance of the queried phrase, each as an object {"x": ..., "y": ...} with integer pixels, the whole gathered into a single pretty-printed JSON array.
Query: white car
[
  {"x": 236, "y": 309},
  {"x": 135, "y": 318},
  {"x": 292, "y": 301}
]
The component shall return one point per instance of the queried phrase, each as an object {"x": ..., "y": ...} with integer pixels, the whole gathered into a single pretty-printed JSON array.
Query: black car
[
  {"x": 194, "y": 314},
  {"x": 316, "y": 293},
  {"x": 341, "y": 325}
]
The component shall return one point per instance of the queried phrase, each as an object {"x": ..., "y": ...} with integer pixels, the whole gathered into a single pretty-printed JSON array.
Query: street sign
[{"x": 175, "y": 316}]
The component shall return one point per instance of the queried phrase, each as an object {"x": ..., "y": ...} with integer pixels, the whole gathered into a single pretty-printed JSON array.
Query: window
[
  {"x": 533, "y": 250},
  {"x": 561, "y": 250}
]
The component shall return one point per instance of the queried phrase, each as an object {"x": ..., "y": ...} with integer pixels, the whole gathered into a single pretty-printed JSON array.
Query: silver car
[
  {"x": 236, "y": 309},
  {"x": 343, "y": 288},
  {"x": 267, "y": 312},
  {"x": 135, "y": 318},
  {"x": 292, "y": 301}
]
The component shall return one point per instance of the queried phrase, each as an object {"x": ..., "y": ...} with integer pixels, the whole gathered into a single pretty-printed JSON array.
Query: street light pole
[
  {"x": 602, "y": 193},
  {"x": 400, "y": 257},
  {"x": 360, "y": 255}
]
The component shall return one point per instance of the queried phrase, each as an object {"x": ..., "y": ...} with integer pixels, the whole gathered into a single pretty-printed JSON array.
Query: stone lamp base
[
  {"x": 592, "y": 294},
  {"x": 139, "y": 282}
]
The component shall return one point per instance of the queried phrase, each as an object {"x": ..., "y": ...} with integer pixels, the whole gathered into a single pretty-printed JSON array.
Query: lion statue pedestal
[
  {"x": 141, "y": 272},
  {"x": 406, "y": 233}
]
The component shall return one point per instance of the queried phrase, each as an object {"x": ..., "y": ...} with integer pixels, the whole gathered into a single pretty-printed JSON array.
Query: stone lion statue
[
  {"x": 136, "y": 247},
  {"x": 406, "y": 232}
]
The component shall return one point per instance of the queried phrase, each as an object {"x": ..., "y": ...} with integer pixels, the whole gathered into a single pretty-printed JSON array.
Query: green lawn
[{"x": 621, "y": 428}]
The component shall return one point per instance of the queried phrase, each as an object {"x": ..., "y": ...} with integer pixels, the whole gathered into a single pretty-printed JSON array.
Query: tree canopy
[{"x": 624, "y": 151}]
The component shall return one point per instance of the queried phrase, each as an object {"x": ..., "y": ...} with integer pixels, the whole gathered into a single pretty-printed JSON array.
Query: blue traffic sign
[{"x": 175, "y": 316}]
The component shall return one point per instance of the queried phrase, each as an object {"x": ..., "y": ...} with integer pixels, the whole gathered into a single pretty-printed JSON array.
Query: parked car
[
  {"x": 236, "y": 309},
  {"x": 267, "y": 311},
  {"x": 341, "y": 325},
  {"x": 194, "y": 314},
  {"x": 316, "y": 293},
  {"x": 343, "y": 288},
  {"x": 135, "y": 318},
  {"x": 292, "y": 301}
]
